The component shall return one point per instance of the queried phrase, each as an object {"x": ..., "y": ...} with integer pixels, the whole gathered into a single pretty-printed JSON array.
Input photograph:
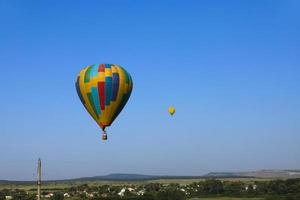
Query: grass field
[
  {"x": 226, "y": 198},
  {"x": 189, "y": 181},
  {"x": 67, "y": 184}
]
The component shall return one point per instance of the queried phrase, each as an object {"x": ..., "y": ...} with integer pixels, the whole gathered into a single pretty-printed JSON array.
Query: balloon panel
[{"x": 171, "y": 110}]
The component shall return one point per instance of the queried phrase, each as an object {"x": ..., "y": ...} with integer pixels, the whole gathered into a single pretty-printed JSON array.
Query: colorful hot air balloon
[
  {"x": 104, "y": 90},
  {"x": 171, "y": 110}
]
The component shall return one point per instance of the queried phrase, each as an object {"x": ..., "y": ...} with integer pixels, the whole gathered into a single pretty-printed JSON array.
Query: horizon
[
  {"x": 154, "y": 175},
  {"x": 230, "y": 69}
]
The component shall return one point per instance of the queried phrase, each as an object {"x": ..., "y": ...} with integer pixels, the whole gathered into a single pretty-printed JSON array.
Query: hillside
[
  {"x": 282, "y": 174},
  {"x": 273, "y": 174}
]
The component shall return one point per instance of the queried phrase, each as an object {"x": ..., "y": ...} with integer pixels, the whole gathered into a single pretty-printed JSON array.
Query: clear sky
[{"x": 231, "y": 69}]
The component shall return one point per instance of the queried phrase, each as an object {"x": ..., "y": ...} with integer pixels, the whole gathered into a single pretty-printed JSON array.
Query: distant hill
[
  {"x": 118, "y": 177},
  {"x": 7, "y": 182},
  {"x": 281, "y": 174}
]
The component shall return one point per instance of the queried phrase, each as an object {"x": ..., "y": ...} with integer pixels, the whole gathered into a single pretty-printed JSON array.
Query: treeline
[
  {"x": 239, "y": 188},
  {"x": 17, "y": 194},
  {"x": 270, "y": 190}
]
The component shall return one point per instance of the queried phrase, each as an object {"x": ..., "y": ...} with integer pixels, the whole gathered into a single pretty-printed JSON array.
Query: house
[
  {"x": 8, "y": 197},
  {"x": 88, "y": 194},
  {"x": 141, "y": 192},
  {"x": 130, "y": 189},
  {"x": 67, "y": 195},
  {"x": 122, "y": 192},
  {"x": 253, "y": 187},
  {"x": 48, "y": 195}
]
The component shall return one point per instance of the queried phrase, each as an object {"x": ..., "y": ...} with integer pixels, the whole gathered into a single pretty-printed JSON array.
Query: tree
[
  {"x": 212, "y": 186},
  {"x": 2, "y": 195},
  {"x": 31, "y": 197},
  {"x": 233, "y": 188},
  {"x": 128, "y": 194},
  {"x": 147, "y": 196},
  {"x": 152, "y": 187},
  {"x": 57, "y": 196},
  {"x": 83, "y": 187},
  {"x": 251, "y": 189},
  {"x": 170, "y": 195},
  {"x": 6, "y": 192},
  {"x": 19, "y": 195},
  {"x": 277, "y": 187},
  {"x": 262, "y": 187},
  {"x": 293, "y": 185}
]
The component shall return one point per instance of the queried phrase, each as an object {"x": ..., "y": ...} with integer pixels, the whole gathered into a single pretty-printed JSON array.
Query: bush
[
  {"x": 170, "y": 195},
  {"x": 2, "y": 196},
  {"x": 57, "y": 196}
]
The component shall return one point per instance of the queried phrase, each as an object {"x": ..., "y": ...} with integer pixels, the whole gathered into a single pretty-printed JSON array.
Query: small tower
[{"x": 39, "y": 181}]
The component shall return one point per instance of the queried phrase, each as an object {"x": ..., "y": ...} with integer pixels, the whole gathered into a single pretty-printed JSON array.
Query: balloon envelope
[
  {"x": 171, "y": 110},
  {"x": 104, "y": 89}
]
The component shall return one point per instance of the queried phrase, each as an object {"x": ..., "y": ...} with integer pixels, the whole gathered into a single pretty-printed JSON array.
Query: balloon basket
[{"x": 104, "y": 136}]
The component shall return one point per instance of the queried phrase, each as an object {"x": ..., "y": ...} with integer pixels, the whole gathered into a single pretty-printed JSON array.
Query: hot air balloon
[
  {"x": 104, "y": 89},
  {"x": 171, "y": 110}
]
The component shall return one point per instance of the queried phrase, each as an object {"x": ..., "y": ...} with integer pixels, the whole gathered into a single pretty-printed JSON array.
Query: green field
[
  {"x": 189, "y": 181},
  {"x": 67, "y": 184},
  {"x": 226, "y": 198}
]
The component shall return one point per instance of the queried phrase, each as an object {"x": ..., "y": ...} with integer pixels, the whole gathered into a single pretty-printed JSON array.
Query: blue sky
[{"x": 231, "y": 69}]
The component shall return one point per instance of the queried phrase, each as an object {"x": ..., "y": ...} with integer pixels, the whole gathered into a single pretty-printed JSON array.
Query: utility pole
[{"x": 39, "y": 176}]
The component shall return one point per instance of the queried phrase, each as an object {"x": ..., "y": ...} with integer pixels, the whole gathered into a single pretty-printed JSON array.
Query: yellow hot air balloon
[
  {"x": 171, "y": 110},
  {"x": 104, "y": 90}
]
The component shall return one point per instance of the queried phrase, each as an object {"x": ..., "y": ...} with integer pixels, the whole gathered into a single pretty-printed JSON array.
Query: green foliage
[
  {"x": 20, "y": 195},
  {"x": 6, "y": 192},
  {"x": 2, "y": 195},
  {"x": 283, "y": 197},
  {"x": 170, "y": 194},
  {"x": 147, "y": 196},
  {"x": 277, "y": 187},
  {"x": 234, "y": 188},
  {"x": 227, "y": 198},
  {"x": 207, "y": 187},
  {"x": 153, "y": 187},
  {"x": 262, "y": 187},
  {"x": 57, "y": 196},
  {"x": 210, "y": 188},
  {"x": 293, "y": 186}
]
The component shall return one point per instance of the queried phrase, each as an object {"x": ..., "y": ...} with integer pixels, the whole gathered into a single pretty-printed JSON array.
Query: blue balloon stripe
[
  {"x": 95, "y": 96},
  {"x": 92, "y": 103},
  {"x": 108, "y": 90},
  {"x": 78, "y": 91},
  {"x": 115, "y": 86},
  {"x": 94, "y": 71}
]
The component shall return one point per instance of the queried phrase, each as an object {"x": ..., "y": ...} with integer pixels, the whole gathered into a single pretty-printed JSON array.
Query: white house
[
  {"x": 141, "y": 192},
  {"x": 122, "y": 192},
  {"x": 130, "y": 189},
  {"x": 48, "y": 195},
  {"x": 67, "y": 195}
]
